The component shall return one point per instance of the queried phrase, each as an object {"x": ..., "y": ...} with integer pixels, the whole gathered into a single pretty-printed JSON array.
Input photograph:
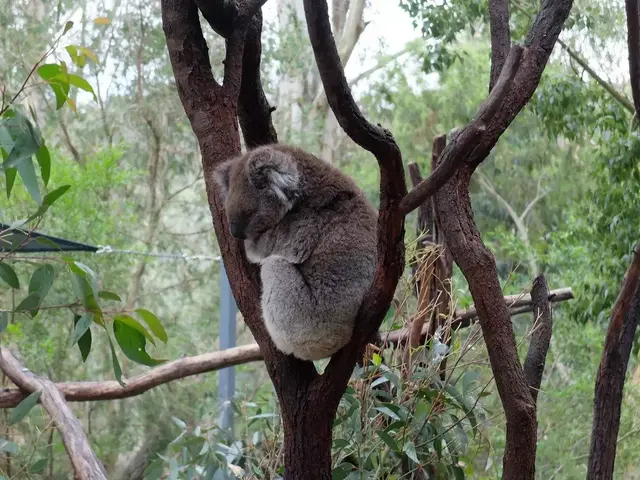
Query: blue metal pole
[{"x": 226, "y": 376}]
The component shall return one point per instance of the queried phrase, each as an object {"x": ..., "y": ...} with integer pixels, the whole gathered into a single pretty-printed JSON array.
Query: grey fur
[{"x": 313, "y": 232}]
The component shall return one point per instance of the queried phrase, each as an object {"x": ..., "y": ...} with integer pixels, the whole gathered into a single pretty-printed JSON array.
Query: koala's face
[{"x": 258, "y": 190}]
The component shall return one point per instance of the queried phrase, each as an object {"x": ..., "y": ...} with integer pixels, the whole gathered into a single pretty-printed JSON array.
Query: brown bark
[
  {"x": 479, "y": 268},
  {"x": 633, "y": 43},
  {"x": 86, "y": 465},
  {"x": 170, "y": 371},
  {"x": 512, "y": 91},
  {"x": 500, "y": 37},
  {"x": 611, "y": 374},
  {"x": 540, "y": 336}
]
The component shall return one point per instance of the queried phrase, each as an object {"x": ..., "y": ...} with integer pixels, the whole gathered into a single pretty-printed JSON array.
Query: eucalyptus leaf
[{"x": 23, "y": 408}]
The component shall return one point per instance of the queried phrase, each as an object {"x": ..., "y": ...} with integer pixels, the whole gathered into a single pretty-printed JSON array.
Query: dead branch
[
  {"x": 381, "y": 144},
  {"x": 611, "y": 374},
  {"x": 517, "y": 304},
  {"x": 633, "y": 43},
  {"x": 170, "y": 371},
  {"x": 83, "y": 459},
  {"x": 513, "y": 89},
  {"x": 500, "y": 37},
  {"x": 611, "y": 90},
  {"x": 540, "y": 336}
]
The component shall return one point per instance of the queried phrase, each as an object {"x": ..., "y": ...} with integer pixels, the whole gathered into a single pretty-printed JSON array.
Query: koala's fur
[{"x": 313, "y": 232}]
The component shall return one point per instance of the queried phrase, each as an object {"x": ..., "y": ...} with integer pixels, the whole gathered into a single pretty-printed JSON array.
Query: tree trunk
[{"x": 307, "y": 441}]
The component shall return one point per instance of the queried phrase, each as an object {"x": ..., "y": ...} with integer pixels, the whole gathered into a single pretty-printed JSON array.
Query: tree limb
[
  {"x": 83, "y": 459},
  {"x": 540, "y": 336},
  {"x": 517, "y": 304},
  {"x": 500, "y": 37},
  {"x": 170, "y": 371},
  {"x": 611, "y": 374},
  {"x": 517, "y": 81},
  {"x": 381, "y": 144},
  {"x": 619, "y": 97},
  {"x": 633, "y": 42}
]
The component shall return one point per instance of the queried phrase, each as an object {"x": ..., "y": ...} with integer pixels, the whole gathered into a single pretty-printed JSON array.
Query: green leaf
[
  {"x": 8, "y": 274},
  {"x": 81, "y": 83},
  {"x": 410, "y": 450},
  {"x": 38, "y": 467},
  {"x": 47, "y": 241},
  {"x": 24, "y": 407},
  {"x": 107, "y": 295},
  {"x": 10, "y": 176},
  {"x": 26, "y": 138},
  {"x": 117, "y": 370},
  {"x": 82, "y": 324},
  {"x": 387, "y": 411},
  {"x": 48, "y": 71},
  {"x": 44, "y": 160},
  {"x": 84, "y": 341},
  {"x": 458, "y": 472},
  {"x": 61, "y": 91},
  {"x": 4, "y": 321},
  {"x": 386, "y": 438},
  {"x": 154, "y": 324},
  {"x": 41, "y": 280},
  {"x": 28, "y": 173},
  {"x": 31, "y": 302},
  {"x": 48, "y": 200},
  {"x": 133, "y": 344},
  {"x": 67, "y": 26},
  {"x": 133, "y": 323},
  {"x": 7, "y": 446}
]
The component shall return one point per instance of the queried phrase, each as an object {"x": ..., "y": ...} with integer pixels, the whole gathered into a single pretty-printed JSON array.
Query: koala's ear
[
  {"x": 222, "y": 176},
  {"x": 277, "y": 171}
]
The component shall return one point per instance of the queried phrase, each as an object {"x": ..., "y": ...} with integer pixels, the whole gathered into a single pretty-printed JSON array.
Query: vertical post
[{"x": 226, "y": 376}]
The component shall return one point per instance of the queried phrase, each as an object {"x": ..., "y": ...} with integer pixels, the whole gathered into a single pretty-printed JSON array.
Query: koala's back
[{"x": 310, "y": 311}]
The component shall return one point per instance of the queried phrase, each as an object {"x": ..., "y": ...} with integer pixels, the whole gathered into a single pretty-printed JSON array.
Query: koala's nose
[{"x": 237, "y": 230}]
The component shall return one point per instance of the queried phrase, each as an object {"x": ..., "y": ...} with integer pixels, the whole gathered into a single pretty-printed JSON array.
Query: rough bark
[
  {"x": 611, "y": 374},
  {"x": 500, "y": 37},
  {"x": 86, "y": 465},
  {"x": 540, "y": 336},
  {"x": 170, "y": 371},
  {"x": 633, "y": 43},
  {"x": 513, "y": 89}
]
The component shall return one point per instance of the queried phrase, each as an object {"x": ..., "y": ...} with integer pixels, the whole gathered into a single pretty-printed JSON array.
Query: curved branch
[
  {"x": 633, "y": 43},
  {"x": 381, "y": 144},
  {"x": 540, "y": 336},
  {"x": 83, "y": 459},
  {"x": 518, "y": 80},
  {"x": 170, "y": 371},
  {"x": 611, "y": 374}
]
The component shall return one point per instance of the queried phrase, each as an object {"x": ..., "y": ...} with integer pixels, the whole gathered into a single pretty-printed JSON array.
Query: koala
[{"x": 313, "y": 233}]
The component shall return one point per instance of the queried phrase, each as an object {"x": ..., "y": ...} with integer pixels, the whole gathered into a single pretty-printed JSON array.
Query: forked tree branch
[
  {"x": 381, "y": 144},
  {"x": 500, "y": 37},
  {"x": 633, "y": 43},
  {"x": 517, "y": 81},
  {"x": 84, "y": 461},
  {"x": 611, "y": 374},
  {"x": 540, "y": 336}
]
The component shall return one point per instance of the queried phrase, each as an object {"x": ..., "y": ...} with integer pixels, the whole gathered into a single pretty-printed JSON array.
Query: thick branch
[
  {"x": 83, "y": 459},
  {"x": 611, "y": 374},
  {"x": 633, "y": 43},
  {"x": 540, "y": 336},
  {"x": 170, "y": 371},
  {"x": 500, "y": 37},
  {"x": 381, "y": 144},
  {"x": 517, "y": 81}
]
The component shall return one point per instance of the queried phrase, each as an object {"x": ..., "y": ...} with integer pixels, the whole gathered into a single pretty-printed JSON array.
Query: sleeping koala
[{"x": 313, "y": 233}]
